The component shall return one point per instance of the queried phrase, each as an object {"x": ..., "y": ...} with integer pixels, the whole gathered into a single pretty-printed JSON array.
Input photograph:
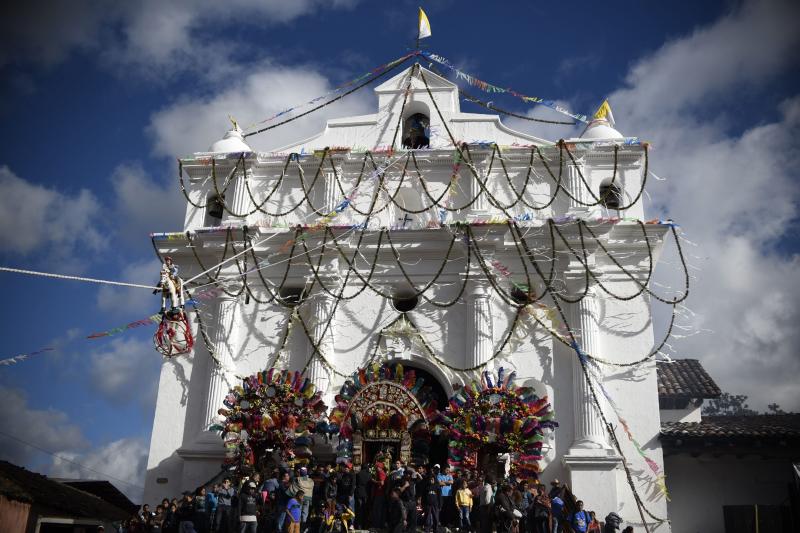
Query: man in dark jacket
[
  {"x": 362, "y": 492},
  {"x": 408, "y": 495},
  {"x": 613, "y": 521},
  {"x": 345, "y": 486},
  {"x": 432, "y": 500},
  {"x": 396, "y": 513},
  {"x": 504, "y": 508},
  {"x": 186, "y": 512},
  {"x": 331, "y": 485},
  {"x": 248, "y": 508}
]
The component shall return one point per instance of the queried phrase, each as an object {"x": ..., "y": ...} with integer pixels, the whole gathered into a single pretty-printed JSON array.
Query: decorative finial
[{"x": 235, "y": 124}]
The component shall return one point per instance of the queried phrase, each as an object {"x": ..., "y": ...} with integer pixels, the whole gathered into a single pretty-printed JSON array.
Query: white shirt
[{"x": 487, "y": 494}]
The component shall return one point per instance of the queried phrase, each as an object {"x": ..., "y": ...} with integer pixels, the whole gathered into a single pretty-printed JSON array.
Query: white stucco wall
[{"x": 689, "y": 414}]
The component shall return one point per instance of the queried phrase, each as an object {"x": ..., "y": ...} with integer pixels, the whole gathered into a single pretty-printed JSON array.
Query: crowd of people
[{"x": 386, "y": 496}]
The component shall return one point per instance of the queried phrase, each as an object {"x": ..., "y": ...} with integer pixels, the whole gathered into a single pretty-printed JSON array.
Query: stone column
[
  {"x": 320, "y": 308},
  {"x": 481, "y": 205},
  {"x": 590, "y": 433},
  {"x": 578, "y": 190},
  {"x": 590, "y": 460},
  {"x": 237, "y": 198},
  {"x": 479, "y": 319},
  {"x": 224, "y": 338},
  {"x": 332, "y": 195}
]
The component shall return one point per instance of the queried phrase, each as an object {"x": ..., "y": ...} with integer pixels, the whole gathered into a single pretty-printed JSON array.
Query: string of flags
[
  {"x": 490, "y": 88},
  {"x": 374, "y": 72}
]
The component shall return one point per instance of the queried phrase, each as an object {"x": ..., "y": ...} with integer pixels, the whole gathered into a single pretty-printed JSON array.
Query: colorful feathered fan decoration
[
  {"x": 499, "y": 416},
  {"x": 271, "y": 410}
]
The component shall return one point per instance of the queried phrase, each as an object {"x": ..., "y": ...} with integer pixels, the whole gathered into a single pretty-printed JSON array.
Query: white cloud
[
  {"x": 132, "y": 301},
  {"x": 51, "y": 223},
  {"x": 739, "y": 51},
  {"x": 150, "y": 35},
  {"x": 735, "y": 194},
  {"x": 126, "y": 369},
  {"x": 192, "y": 125},
  {"x": 144, "y": 205},
  {"x": 49, "y": 429},
  {"x": 123, "y": 462}
]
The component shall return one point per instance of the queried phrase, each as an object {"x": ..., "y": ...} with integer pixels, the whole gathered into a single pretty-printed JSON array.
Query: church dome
[
  {"x": 599, "y": 128},
  {"x": 232, "y": 142}
]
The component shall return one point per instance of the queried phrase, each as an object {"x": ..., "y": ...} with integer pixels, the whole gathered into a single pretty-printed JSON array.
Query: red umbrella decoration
[
  {"x": 501, "y": 415},
  {"x": 174, "y": 335},
  {"x": 271, "y": 410}
]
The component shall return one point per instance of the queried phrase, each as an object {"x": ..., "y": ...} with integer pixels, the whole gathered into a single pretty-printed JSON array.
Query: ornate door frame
[{"x": 382, "y": 397}]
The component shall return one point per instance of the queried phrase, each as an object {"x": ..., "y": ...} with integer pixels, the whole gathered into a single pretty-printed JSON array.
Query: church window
[
  {"x": 416, "y": 131},
  {"x": 292, "y": 296},
  {"x": 405, "y": 303},
  {"x": 214, "y": 211},
  {"x": 610, "y": 194}
]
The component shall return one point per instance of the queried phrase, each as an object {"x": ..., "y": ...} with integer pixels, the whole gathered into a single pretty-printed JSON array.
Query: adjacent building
[
  {"x": 736, "y": 474},
  {"x": 33, "y": 503}
]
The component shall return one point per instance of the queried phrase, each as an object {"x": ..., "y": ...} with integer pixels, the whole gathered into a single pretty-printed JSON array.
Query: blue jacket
[{"x": 211, "y": 501}]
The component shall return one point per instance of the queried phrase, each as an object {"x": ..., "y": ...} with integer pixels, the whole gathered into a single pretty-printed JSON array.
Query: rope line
[{"x": 76, "y": 278}]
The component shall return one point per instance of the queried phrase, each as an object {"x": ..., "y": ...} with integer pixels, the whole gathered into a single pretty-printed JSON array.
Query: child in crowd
[
  {"x": 464, "y": 505},
  {"x": 294, "y": 512}
]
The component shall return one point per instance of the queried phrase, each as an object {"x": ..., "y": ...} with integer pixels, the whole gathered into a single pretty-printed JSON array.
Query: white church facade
[{"x": 404, "y": 236}]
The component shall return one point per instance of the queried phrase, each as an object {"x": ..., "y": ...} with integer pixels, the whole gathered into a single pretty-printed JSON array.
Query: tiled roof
[
  {"x": 19, "y": 484},
  {"x": 758, "y": 427},
  {"x": 105, "y": 490},
  {"x": 684, "y": 378}
]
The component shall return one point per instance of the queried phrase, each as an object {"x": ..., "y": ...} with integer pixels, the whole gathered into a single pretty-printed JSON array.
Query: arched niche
[
  {"x": 416, "y": 125},
  {"x": 611, "y": 194},
  {"x": 214, "y": 211},
  {"x": 433, "y": 375}
]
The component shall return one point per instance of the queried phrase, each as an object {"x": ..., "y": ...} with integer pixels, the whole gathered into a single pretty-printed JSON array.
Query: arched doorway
[
  {"x": 436, "y": 392},
  {"x": 388, "y": 410}
]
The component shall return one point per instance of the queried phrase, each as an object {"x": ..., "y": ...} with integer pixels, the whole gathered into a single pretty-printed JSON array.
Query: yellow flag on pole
[
  {"x": 424, "y": 25},
  {"x": 604, "y": 111}
]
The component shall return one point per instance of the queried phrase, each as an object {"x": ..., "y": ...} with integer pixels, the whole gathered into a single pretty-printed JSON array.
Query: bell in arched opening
[
  {"x": 214, "y": 211},
  {"x": 416, "y": 131},
  {"x": 610, "y": 194}
]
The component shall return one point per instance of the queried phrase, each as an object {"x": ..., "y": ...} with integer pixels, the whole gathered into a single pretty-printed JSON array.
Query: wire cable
[{"x": 62, "y": 458}]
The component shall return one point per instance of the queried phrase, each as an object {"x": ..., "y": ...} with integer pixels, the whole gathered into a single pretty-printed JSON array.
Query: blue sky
[{"x": 97, "y": 100}]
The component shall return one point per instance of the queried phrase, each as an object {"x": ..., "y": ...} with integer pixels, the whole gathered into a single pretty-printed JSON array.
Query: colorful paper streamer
[{"x": 490, "y": 88}]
